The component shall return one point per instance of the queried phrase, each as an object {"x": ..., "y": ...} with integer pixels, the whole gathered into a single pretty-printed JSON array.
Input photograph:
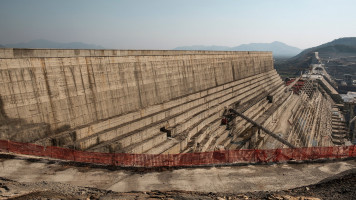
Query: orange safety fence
[{"x": 184, "y": 159}]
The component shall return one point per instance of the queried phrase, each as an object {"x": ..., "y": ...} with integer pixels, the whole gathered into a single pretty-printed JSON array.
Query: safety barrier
[{"x": 184, "y": 159}]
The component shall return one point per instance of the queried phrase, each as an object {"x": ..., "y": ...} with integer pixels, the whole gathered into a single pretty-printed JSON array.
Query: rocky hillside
[{"x": 336, "y": 51}]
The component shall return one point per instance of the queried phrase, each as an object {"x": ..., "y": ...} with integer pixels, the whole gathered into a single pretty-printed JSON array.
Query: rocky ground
[{"x": 340, "y": 187}]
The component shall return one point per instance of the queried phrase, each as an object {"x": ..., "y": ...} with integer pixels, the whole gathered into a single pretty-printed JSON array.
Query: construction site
[{"x": 147, "y": 109}]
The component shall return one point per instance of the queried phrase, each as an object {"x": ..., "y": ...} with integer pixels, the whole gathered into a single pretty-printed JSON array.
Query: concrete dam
[{"x": 154, "y": 102}]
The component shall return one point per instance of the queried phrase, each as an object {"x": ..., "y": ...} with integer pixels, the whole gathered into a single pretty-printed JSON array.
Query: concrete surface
[
  {"x": 77, "y": 87},
  {"x": 118, "y": 100},
  {"x": 97, "y": 96},
  {"x": 234, "y": 179}
]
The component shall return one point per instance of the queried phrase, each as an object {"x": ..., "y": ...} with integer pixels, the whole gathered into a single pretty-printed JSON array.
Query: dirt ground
[
  {"x": 24, "y": 177},
  {"x": 342, "y": 186}
]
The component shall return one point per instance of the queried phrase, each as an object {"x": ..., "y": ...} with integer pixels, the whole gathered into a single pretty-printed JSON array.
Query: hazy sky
[{"x": 166, "y": 24}]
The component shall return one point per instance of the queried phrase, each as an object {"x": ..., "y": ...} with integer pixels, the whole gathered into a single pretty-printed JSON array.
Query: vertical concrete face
[{"x": 73, "y": 88}]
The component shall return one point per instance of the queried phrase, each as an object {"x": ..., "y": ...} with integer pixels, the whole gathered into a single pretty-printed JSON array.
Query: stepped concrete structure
[{"x": 143, "y": 101}]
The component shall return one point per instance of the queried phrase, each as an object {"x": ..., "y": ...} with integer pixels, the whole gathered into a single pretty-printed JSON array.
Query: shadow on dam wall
[
  {"x": 17, "y": 129},
  {"x": 3, "y": 116}
]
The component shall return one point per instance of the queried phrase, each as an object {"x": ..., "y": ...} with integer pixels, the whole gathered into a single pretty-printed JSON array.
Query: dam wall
[
  {"x": 78, "y": 87},
  {"x": 120, "y": 100}
]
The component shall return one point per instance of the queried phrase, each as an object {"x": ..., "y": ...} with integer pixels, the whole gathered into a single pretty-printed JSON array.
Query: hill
[
  {"x": 2, "y": 46},
  {"x": 338, "y": 46},
  {"x": 338, "y": 52},
  {"x": 278, "y": 49},
  {"x": 53, "y": 45}
]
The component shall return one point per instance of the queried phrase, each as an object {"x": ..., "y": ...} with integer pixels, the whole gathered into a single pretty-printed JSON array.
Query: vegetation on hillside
[{"x": 339, "y": 48}]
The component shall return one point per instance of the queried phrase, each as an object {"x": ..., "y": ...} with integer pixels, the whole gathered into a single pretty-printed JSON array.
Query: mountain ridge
[{"x": 278, "y": 48}]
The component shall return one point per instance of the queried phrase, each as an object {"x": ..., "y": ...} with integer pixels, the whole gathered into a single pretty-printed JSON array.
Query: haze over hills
[
  {"x": 53, "y": 45},
  {"x": 279, "y": 49},
  {"x": 339, "y": 55}
]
